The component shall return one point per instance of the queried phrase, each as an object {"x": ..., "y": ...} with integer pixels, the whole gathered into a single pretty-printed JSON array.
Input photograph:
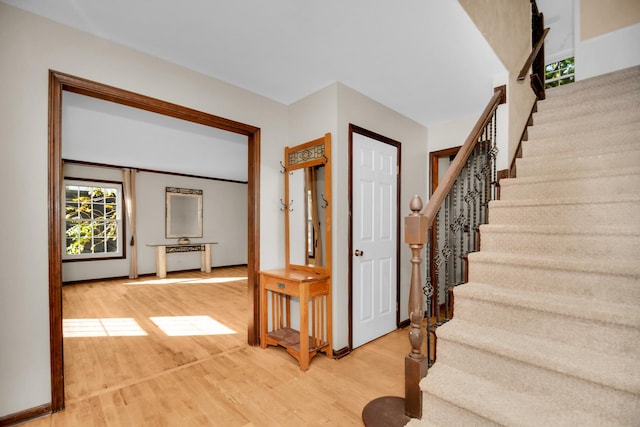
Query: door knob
[{"x": 358, "y": 252}]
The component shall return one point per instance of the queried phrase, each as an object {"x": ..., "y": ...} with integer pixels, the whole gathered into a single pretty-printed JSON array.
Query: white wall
[
  {"x": 224, "y": 221},
  {"x": 357, "y": 109},
  {"x": 30, "y": 46},
  {"x": 607, "y": 53},
  {"x": 506, "y": 25},
  {"x": 455, "y": 133},
  {"x": 104, "y": 132},
  {"x": 332, "y": 109}
]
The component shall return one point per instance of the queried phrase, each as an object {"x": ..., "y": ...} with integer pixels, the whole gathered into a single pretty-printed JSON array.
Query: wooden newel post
[{"x": 416, "y": 364}]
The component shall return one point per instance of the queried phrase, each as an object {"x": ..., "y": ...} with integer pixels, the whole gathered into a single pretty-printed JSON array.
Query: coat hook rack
[
  {"x": 284, "y": 169},
  {"x": 285, "y": 206},
  {"x": 326, "y": 159},
  {"x": 325, "y": 202}
]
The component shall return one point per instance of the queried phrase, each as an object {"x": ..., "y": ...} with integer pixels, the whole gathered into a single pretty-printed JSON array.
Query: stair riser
[
  {"x": 583, "y": 124},
  {"x": 588, "y": 142},
  {"x": 613, "y": 246},
  {"x": 572, "y": 392},
  {"x": 578, "y": 214},
  {"x": 442, "y": 413},
  {"x": 595, "y": 335},
  {"x": 590, "y": 188},
  {"x": 569, "y": 110},
  {"x": 539, "y": 166},
  {"x": 605, "y": 287}
]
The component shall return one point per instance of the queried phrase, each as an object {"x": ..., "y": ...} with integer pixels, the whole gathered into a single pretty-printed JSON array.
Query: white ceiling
[{"x": 422, "y": 58}]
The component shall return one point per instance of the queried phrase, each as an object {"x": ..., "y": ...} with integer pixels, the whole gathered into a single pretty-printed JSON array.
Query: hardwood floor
[{"x": 177, "y": 355}]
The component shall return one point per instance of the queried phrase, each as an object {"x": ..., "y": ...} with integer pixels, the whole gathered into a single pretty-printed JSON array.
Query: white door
[{"x": 374, "y": 238}]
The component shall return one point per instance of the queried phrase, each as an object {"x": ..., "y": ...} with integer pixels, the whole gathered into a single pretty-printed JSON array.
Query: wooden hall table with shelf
[{"x": 312, "y": 289}]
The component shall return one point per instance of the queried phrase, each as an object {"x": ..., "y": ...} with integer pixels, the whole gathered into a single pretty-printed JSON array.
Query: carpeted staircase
[{"x": 547, "y": 331}]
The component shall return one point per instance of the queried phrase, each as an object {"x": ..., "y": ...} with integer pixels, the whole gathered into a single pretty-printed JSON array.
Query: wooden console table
[
  {"x": 163, "y": 249},
  {"x": 312, "y": 289}
]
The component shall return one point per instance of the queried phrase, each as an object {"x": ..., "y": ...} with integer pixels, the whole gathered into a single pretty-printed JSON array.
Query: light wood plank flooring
[{"x": 176, "y": 354}]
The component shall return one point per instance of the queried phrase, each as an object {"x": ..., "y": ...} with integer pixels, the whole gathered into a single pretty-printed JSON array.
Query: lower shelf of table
[{"x": 290, "y": 339}]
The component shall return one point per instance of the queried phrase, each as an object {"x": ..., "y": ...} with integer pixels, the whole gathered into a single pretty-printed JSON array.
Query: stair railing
[
  {"x": 449, "y": 227},
  {"x": 535, "y": 61}
]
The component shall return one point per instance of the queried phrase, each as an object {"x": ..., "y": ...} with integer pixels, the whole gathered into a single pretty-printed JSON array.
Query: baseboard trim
[
  {"x": 26, "y": 415},
  {"x": 404, "y": 324},
  {"x": 339, "y": 354},
  {"x": 142, "y": 275}
]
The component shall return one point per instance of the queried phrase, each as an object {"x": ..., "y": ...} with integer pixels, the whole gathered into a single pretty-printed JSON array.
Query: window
[
  {"x": 93, "y": 220},
  {"x": 559, "y": 73}
]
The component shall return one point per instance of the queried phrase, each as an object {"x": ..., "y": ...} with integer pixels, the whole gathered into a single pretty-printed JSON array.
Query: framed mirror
[
  {"x": 308, "y": 213},
  {"x": 183, "y": 213}
]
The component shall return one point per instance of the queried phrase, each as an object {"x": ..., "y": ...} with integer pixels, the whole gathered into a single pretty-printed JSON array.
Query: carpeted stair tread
[
  {"x": 608, "y": 370},
  {"x": 605, "y": 120},
  {"x": 501, "y": 404},
  {"x": 414, "y": 422},
  {"x": 601, "y": 152},
  {"x": 606, "y": 95},
  {"x": 589, "y": 184},
  {"x": 599, "y": 266},
  {"x": 570, "y": 229},
  {"x": 572, "y": 306},
  {"x": 555, "y": 97},
  {"x": 597, "y": 85},
  {"x": 566, "y": 162},
  {"x": 607, "y": 327},
  {"x": 526, "y": 273},
  {"x": 610, "y": 242},
  {"x": 572, "y": 175},
  {"x": 584, "y": 211},
  {"x": 608, "y": 198},
  {"x": 549, "y": 111},
  {"x": 587, "y": 140}
]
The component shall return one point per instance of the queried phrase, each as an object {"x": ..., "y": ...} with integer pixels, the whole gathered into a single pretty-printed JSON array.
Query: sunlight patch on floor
[
  {"x": 105, "y": 327},
  {"x": 190, "y": 325},
  {"x": 221, "y": 279}
]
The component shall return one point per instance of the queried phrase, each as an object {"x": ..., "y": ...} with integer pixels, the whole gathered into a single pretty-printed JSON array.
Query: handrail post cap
[{"x": 415, "y": 205}]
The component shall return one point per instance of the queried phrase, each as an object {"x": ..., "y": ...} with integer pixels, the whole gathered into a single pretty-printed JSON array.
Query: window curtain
[{"x": 129, "y": 179}]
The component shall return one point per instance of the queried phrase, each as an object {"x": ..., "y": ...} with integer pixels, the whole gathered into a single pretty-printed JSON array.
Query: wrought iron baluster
[
  {"x": 468, "y": 200},
  {"x": 494, "y": 154},
  {"x": 437, "y": 261},
  {"x": 454, "y": 245},
  {"x": 427, "y": 289},
  {"x": 436, "y": 227}
]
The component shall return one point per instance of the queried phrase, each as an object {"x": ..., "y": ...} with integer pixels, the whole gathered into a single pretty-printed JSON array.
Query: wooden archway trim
[{"x": 59, "y": 82}]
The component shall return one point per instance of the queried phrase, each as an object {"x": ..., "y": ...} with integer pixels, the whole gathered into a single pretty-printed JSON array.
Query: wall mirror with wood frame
[
  {"x": 308, "y": 208},
  {"x": 183, "y": 215}
]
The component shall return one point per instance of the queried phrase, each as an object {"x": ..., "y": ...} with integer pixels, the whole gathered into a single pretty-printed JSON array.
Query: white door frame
[{"x": 356, "y": 129}]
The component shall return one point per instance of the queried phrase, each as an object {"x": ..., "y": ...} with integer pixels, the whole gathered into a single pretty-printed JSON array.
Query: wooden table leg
[
  {"x": 329, "y": 324},
  {"x": 161, "y": 261},
  {"x": 304, "y": 327},
  {"x": 205, "y": 258},
  {"x": 263, "y": 317}
]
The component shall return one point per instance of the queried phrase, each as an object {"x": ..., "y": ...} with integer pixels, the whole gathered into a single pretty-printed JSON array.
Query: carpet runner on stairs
[{"x": 547, "y": 331}]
